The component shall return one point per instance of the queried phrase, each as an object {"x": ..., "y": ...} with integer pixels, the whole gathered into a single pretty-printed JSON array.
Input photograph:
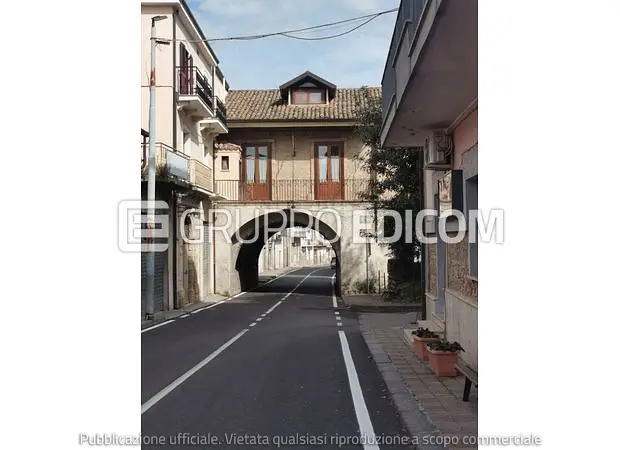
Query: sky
[{"x": 352, "y": 60}]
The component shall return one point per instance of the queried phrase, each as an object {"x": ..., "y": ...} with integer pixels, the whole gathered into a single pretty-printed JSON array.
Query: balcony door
[
  {"x": 186, "y": 82},
  {"x": 329, "y": 170},
  {"x": 257, "y": 172}
]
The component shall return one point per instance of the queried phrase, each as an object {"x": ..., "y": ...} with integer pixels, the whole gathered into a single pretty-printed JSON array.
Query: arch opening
[{"x": 252, "y": 237}]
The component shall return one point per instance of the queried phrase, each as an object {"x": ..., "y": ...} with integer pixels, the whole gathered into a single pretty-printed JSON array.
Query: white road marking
[
  {"x": 273, "y": 307},
  {"x": 361, "y": 410},
  {"x": 157, "y": 326},
  {"x": 334, "y": 301},
  {"x": 367, "y": 431},
  {"x": 176, "y": 383},
  {"x": 337, "y": 313},
  {"x": 184, "y": 316},
  {"x": 259, "y": 319},
  {"x": 238, "y": 295}
]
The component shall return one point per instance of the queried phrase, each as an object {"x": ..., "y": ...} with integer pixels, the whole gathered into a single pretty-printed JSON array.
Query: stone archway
[{"x": 249, "y": 239}]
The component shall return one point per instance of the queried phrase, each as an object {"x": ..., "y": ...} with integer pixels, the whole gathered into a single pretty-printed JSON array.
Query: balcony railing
[
  {"x": 292, "y": 190},
  {"x": 192, "y": 82},
  {"x": 170, "y": 164},
  {"x": 220, "y": 110},
  {"x": 201, "y": 175}
]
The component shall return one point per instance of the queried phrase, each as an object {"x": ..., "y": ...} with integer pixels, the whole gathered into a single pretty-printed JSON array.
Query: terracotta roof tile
[{"x": 267, "y": 104}]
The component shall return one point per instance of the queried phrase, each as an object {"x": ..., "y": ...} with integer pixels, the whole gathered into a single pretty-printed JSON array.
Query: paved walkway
[{"x": 439, "y": 400}]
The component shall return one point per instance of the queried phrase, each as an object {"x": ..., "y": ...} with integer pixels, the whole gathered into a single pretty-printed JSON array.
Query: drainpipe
[
  {"x": 213, "y": 89},
  {"x": 174, "y": 249},
  {"x": 422, "y": 246}
]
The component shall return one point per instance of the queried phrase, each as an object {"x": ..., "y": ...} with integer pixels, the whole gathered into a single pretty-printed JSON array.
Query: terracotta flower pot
[
  {"x": 443, "y": 363},
  {"x": 419, "y": 346}
]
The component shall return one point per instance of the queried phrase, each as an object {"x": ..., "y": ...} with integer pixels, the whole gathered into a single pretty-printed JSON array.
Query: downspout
[
  {"x": 174, "y": 145},
  {"x": 423, "y": 261}
]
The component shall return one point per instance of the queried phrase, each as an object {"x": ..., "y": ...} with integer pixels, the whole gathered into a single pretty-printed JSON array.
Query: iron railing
[
  {"x": 293, "y": 190},
  {"x": 192, "y": 82},
  {"x": 220, "y": 110}
]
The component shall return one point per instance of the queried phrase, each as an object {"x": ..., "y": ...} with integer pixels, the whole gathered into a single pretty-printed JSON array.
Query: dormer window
[
  {"x": 308, "y": 96},
  {"x": 307, "y": 89}
]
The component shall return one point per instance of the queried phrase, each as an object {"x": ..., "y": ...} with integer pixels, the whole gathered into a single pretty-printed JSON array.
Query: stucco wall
[
  {"x": 286, "y": 166},
  {"x": 462, "y": 325},
  {"x": 464, "y": 137}
]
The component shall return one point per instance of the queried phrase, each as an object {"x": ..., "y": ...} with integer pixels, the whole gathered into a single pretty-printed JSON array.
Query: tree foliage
[{"x": 395, "y": 180}]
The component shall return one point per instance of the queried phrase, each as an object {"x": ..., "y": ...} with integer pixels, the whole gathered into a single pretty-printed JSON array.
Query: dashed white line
[
  {"x": 273, "y": 307},
  {"x": 253, "y": 324},
  {"x": 337, "y": 313},
  {"x": 157, "y": 326},
  {"x": 165, "y": 391},
  {"x": 184, "y": 316},
  {"x": 334, "y": 301},
  {"x": 259, "y": 319}
]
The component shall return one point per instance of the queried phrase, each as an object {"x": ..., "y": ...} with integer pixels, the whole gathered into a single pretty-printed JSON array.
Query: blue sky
[{"x": 352, "y": 60}]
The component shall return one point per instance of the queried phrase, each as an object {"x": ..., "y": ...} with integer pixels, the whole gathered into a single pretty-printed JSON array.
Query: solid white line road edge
[
  {"x": 367, "y": 431},
  {"x": 165, "y": 391},
  {"x": 157, "y": 326}
]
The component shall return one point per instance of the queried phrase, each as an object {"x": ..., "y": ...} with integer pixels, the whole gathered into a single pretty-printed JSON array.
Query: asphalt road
[{"x": 267, "y": 369}]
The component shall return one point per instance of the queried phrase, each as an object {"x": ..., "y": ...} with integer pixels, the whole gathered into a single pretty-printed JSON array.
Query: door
[
  {"x": 257, "y": 172},
  {"x": 329, "y": 170},
  {"x": 185, "y": 71}
]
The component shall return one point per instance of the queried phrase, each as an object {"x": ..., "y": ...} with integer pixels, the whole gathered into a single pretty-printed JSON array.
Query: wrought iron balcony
[
  {"x": 292, "y": 190},
  {"x": 220, "y": 111},
  {"x": 193, "y": 86}
]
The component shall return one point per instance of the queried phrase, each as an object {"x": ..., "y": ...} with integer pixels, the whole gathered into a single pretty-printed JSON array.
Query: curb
[{"x": 409, "y": 409}]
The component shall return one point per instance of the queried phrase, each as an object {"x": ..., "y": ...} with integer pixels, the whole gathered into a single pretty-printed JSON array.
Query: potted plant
[
  {"x": 420, "y": 338},
  {"x": 442, "y": 356}
]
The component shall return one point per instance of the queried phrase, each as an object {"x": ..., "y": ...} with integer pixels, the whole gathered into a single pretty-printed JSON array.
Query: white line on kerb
[
  {"x": 165, "y": 391},
  {"x": 157, "y": 326},
  {"x": 361, "y": 411}
]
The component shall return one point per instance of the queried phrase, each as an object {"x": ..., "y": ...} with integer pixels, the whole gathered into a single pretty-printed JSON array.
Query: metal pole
[{"x": 150, "y": 220}]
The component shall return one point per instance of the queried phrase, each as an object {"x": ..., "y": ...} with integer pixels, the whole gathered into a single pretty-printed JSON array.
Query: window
[
  {"x": 308, "y": 96},
  {"x": 225, "y": 163}
]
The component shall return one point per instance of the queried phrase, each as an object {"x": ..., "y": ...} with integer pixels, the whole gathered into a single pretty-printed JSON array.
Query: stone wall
[
  {"x": 458, "y": 270},
  {"x": 431, "y": 279}
]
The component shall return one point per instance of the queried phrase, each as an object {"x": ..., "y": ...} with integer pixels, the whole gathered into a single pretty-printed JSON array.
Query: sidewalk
[
  {"x": 374, "y": 303},
  {"x": 163, "y": 316},
  {"x": 427, "y": 404}
]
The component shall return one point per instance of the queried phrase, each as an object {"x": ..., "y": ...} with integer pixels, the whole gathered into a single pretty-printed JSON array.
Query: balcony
[
  {"x": 195, "y": 92},
  {"x": 307, "y": 190},
  {"x": 200, "y": 175},
  {"x": 431, "y": 72},
  {"x": 220, "y": 110},
  {"x": 217, "y": 123},
  {"x": 171, "y": 166}
]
